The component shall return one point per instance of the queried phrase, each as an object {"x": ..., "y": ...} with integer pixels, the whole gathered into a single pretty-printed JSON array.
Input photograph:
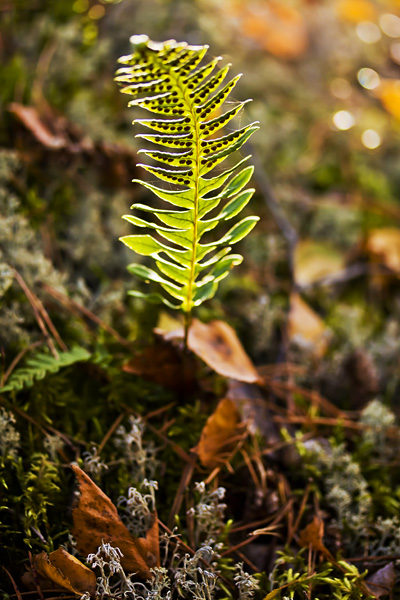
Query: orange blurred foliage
[{"x": 276, "y": 27}]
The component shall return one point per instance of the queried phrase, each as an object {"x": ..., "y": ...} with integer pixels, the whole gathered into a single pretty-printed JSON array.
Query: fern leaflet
[
  {"x": 166, "y": 79},
  {"x": 40, "y": 365}
]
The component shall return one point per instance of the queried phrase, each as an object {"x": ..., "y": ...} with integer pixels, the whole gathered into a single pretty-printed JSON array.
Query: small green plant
[{"x": 166, "y": 79}]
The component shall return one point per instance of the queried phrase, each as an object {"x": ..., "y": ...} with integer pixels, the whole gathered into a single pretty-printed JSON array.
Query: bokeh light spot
[
  {"x": 368, "y": 78},
  {"x": 96, "y": 12},
  {"x": 371, "y": 139},
  {"x": 368, "y": 32},
  {"x": 390, "y": 25},
  {"x": 343, "y": 120},
  {"x": 395, "y": 52},
  {"x": 80, "y": 6}
]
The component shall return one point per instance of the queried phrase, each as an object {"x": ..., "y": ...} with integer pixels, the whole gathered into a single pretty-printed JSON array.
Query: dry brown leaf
[
  {"x": 96, "y": 519},
  {"x": 384, "y": 245},
  {"x": 355, "y": 11},
  {"x": 220, "y": 433},
  {"x": 65, "y": 570},
  {"x": 274, "y": 26},
  {"x": 313, "y": 535},
  {"x": 314, "y": 261},
  {"x": 382, "y": 582},
  {"x": 29, "y": 116},
  {"x": 217, "y": 344},
  {"x": 306, "y": 327},
  {"x": 165, "y": 365}
]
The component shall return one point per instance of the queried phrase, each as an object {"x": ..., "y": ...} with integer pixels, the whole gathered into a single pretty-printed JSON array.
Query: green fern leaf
[
  {"x": 168, "y": 79},
  {"x": 41, "y": 365}
]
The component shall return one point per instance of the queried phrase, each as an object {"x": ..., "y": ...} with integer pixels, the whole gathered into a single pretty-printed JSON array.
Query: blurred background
[{"x": 320, "y": 280}]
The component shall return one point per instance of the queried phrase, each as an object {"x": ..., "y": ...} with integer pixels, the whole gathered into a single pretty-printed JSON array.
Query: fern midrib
[{"x": 196, "y": 171}]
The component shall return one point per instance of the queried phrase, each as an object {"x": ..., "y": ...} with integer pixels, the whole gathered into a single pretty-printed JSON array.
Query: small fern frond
[
  {"x": 166, "y": 79},
  {"x": 41, "y": 365}
]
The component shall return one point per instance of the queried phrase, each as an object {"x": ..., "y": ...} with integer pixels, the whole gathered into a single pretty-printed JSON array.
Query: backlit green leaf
[{"x": 170, "y": 79}]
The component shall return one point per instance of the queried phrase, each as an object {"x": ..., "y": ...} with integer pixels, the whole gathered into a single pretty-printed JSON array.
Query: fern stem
[{"x": 187, "y": 323}]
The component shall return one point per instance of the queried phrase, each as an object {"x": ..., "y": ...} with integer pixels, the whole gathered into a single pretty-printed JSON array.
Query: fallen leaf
[
  {"x": 65, "y": 570},
  {"x": 217, "y": 344},
  {"x": 355, "y": 11},
  {"x": 314, "y": 261},
  {"x": 29, "y": 116},
  {"x": 312, "y": 535},
  {"x": 382, "y": 582},
  {"x": 221, "y": 432},
  {"x": 96, "y": 520},
  {"x": 305, "y": 327},
  {"x": 388, "y": 93},
  {"x": 164, "y": 364},
  {"x": 384, "y": 245}
]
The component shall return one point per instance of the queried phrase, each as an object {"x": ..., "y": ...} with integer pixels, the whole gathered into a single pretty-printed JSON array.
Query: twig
[
  {"x": 287, "y": 229},
  {"x": 247, "y": 561},
  {"x": 17, "y": 592},
  {"x": 75, "y": 307},
  {"x": 110, "y": 432},
  {"x": 16, "y": 360},
  {"x": 187, "y": 474},
  {"x": 35, "y": 579},
  {"x": 39, "y": 319},
  {"x": 299, "y": 515}
]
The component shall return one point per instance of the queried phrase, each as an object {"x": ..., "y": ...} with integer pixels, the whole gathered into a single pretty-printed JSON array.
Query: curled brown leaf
[{"x": 96, "y": 520}]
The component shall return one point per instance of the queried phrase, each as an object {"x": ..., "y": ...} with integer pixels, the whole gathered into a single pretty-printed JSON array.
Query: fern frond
[
  {"x": 41, "y": 365},
  {"x": 166, "y": 79}
]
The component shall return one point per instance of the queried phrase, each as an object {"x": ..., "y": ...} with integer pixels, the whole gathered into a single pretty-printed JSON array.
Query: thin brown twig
[
  {"x": 314, "y": 397},
  {"x": 110, "y": 431},
  {"x": 248, "y": 562},
  {"x": 17, "y": 592},
  {"x": 35, "y": 578},
  {"x": 17, "y": 359},
  {"x": 74, "y": 307},
  {"x": 187, "y": 475},
  {"x": 249, "y": 540},
  {"x": 391, "y": 432},
  {"x": 388, "y": 557},
  {"x": 39, "y": 319},
  {"x": 267, "y": 531},
  {"x": 299, "y": 515},
  {"x": 43, "y": 312}
]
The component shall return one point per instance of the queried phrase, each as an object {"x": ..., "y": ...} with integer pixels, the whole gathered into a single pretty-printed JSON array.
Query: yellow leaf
[
  {"x": 65, "y": 570},
  {"x": 220, "y": 433},
  {"x": 356, "y": 11},
  {"x": 314, "y": 261},
  {"x": 306, "y": 327},
  {"x": 384, "y": 245},
  {"x": 388, "y": 93}
]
